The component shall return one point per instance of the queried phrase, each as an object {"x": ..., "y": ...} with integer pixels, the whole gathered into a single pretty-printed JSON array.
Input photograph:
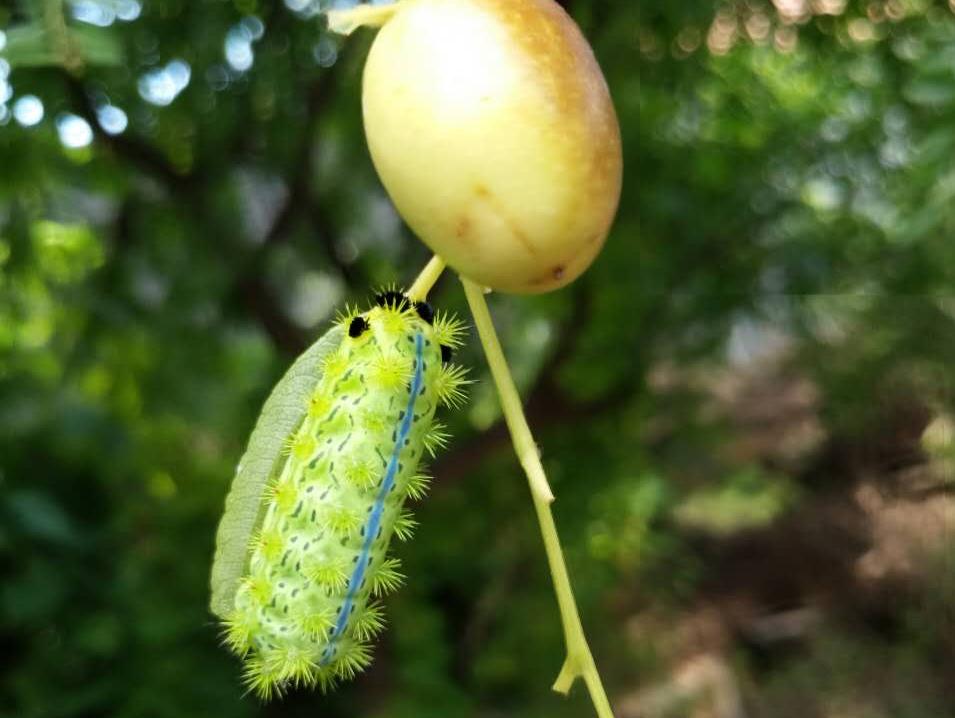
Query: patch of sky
[
  {"x": 6, "y": 89},
  {"x": 74, "y": 131},
  {"x": 28, "y": 110},
  {"x": 238, "y": 43},
  {"x": 112, "y": 119},
  {"x": 162, "y": 85},
  {"x": 325, "y": 52},
  {"x": 304, "y": 8},
  {"x": 103, "y": 13}
]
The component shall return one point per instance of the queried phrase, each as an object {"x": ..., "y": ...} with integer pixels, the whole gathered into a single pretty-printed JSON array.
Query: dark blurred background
[{"x": 745, "y": 406}]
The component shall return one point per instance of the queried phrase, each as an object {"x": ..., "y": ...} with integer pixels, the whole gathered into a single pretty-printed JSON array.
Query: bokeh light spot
[
  {"x": 93, "y": 13},
  {"x": 238, "y": 43},
  {"x": 74, "y": 131},
  {"x": 28, "y": 110},
  {"x": 163, "y": 85},
  {"x": 112, "y": 119}
]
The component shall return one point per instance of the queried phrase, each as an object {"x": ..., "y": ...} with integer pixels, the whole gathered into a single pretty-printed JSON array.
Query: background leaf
[{"x": 28, "y": 46}]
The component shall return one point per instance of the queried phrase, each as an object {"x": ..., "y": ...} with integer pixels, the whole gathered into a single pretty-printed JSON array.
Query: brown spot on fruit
[
  {"x": 551, "y": 278},
  {"x": 485, "y": 195},
  {"x": 520, "y": 236},
  {"x": 463, "y": 227}
]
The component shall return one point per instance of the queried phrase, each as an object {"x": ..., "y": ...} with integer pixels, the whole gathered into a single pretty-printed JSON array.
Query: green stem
[
  {"x": 425, "y": 281},
  {"x": 345, "y": 22},
  {"x": 579, "y": 661}
]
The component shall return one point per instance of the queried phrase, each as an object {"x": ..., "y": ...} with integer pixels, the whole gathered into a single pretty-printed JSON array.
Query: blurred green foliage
[{"x": 195, "y": 200}]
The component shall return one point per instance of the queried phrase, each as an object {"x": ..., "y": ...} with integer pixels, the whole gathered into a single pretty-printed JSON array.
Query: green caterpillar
[{"x": 301, "y": 557}]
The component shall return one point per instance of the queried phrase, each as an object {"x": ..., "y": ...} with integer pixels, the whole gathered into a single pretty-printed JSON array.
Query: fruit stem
[
  {"x": 579, "y": 661},
  {"x": 345, "y": 22},
  {"x": 425, "y": 281}
]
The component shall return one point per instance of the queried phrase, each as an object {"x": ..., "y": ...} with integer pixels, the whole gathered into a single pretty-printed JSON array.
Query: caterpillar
[{"x": 300, "y": 603}]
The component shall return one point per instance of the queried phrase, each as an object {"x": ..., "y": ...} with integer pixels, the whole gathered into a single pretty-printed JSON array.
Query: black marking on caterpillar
[
  {"x": 358, "y": 326},
  {"x": 425, "y": 311},
  {"x": 390, "y": 299},
  {"x": 447, "y": 354}
]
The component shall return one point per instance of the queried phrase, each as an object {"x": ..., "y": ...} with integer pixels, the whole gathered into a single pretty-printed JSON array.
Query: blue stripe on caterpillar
[{"x": 371, "y": 530}]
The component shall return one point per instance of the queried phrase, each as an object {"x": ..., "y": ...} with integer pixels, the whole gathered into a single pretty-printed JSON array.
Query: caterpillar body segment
[
  {"x": 281, "y": 415},
  {"x": 305, "y": 610}
]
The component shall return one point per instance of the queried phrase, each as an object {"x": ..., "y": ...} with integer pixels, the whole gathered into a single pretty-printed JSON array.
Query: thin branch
[
  {"x": 257, "y": 296},
  {"x": 261, "y": 303},
  {"x": 579, "y": 662},
  {"x": 251, "y": 288},
  {"x": 137, "y": 153},
  {"x": 427, "y": 279},
  {"x": 299, "y": 182},
  {"x": 547, "y": 403}
]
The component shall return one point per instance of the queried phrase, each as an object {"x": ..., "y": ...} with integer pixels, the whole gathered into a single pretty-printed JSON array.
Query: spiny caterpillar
[{"x": 302, "y": 609}]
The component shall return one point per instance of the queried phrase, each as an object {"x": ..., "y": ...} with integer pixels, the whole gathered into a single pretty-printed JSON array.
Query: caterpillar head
[{"x": 393, "y": 312}]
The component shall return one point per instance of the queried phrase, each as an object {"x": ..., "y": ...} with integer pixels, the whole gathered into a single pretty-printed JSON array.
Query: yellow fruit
[{"x": 493, "y": 131}]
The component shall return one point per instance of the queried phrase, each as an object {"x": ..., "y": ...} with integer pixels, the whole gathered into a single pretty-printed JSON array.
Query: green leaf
[
  {"x": 281, "y": 415},
  {"x": 32, "y": 46},
  {"x": 27, "y": 46},
  {"x": 98, "y": 46},
  {"x": 930, "y": 92}
]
